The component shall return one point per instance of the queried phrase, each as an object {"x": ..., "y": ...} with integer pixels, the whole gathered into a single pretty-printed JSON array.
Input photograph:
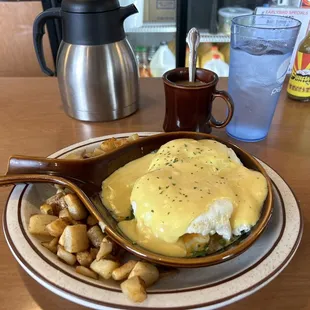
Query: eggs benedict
[{"x": 183, "y": 197}]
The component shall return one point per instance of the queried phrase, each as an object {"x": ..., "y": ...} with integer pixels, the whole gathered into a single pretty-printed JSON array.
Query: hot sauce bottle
[{"x": 299, "y": 83}]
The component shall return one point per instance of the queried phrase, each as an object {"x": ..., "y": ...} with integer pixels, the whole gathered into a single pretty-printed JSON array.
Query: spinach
[
  {"x": 200, "y": 253},
  {"x": 222, "y": 242}
]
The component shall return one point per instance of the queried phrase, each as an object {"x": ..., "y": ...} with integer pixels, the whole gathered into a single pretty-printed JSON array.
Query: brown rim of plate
[
  {"x": 248, "y": 290},
  {"x": 160, "y": 139}
]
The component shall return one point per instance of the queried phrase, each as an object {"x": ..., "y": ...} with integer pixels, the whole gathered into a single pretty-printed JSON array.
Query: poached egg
[{"x": 187, "y": 187}]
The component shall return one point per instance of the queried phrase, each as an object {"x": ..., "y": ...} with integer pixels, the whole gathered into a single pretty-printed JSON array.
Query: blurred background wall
[{"x": 17, "y": 56}]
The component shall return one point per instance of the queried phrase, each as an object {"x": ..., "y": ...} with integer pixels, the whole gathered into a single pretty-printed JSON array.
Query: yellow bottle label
[{"x": 299, "y": 84}]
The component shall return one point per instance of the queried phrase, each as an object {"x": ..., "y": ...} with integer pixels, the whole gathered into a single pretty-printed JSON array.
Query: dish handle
[{"x": 7, "y": 180}]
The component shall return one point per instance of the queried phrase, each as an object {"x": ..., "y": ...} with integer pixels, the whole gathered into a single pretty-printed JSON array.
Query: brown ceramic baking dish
[{"x": 88, "y": 174}]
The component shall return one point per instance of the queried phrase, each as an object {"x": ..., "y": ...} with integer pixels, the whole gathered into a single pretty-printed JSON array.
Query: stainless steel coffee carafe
[{"x": 96, "y": 67}]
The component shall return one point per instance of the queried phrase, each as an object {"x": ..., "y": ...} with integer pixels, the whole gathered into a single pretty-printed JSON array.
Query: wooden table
[{"x": 33, "y": 123}]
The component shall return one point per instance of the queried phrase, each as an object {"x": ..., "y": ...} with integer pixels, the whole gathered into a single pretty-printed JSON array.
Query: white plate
[{"x": 207, "y": 288}]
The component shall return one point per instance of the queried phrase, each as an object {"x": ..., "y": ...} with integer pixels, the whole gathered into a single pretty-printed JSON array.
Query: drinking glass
[{"x": 260, "y": 53}]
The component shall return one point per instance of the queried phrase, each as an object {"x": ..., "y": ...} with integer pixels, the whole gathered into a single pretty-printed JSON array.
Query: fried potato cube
[
  {"x": 38, "y": 223},
  {"x": 104, "y": 267},
  {"x": 56, "y": 227},
  {"x": 74, "y": 156},
  {"x": 52, "y": 245},
  {"x": 59, "y": 187},
  {"x": 93, "y": 252},
  {"x": 98, "y": 151},
  {"x": 86, "y": 272},
  {"x": 123, "y": 271},
  {"x": 74, "y": 222},
  {"x": 106, "y": 248},
  {"x": 75, "y": 207},
  {"x": 54, "y": 242},
  {"x": 75, "y": 238},
  {"x": 147, "y": 272},
  {"x": 61, "y": 191},
  {"x": 57, "y": 202},
  {"x": 62, "y": 202},
  {"x": 66, "y": 256},
  {"x": 95, "y": 236},
  {"x": 61, "y": 240},
  {"x": 54, "y": 199},
  {"x": 91, "y": 220},
  {"x": 87, "y": 155},
  {"x": 65, "y": 215},
  {"x": 120, "y": 142},
  {"x": 134, "y": 289},
  {"x": 84, "y": 258},
  {"x": 46, "y": 209},
  {"x": 53, "y": 249},
  {"x": 108, "y": 145},
  {"x": 133, "y": 137},
  {"x": 195, "y": 242}
]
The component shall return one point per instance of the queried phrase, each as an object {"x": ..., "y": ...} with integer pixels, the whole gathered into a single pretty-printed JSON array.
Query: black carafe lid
[
  {"x": 89, "y": 6},
  {"x": 94, "y": 22}
]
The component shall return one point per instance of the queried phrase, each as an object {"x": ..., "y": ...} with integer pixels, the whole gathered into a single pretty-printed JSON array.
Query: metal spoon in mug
[{"x": 193, "y": 40}]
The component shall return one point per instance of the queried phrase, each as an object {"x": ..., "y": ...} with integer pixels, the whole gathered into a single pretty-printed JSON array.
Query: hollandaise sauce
[
  {"x": 187, "y": 188},
  {"x": 116, "y": 189}
]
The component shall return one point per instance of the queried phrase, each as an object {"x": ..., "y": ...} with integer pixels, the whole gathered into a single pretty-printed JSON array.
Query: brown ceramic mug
[{"x": 188, "y": 108}]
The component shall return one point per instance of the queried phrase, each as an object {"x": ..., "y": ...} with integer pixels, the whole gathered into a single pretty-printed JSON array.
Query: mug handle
[{"x": 230, "y": 104}]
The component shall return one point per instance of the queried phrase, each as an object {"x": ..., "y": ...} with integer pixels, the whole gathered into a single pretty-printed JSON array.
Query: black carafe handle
[{"x": 38, "y": 32}]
